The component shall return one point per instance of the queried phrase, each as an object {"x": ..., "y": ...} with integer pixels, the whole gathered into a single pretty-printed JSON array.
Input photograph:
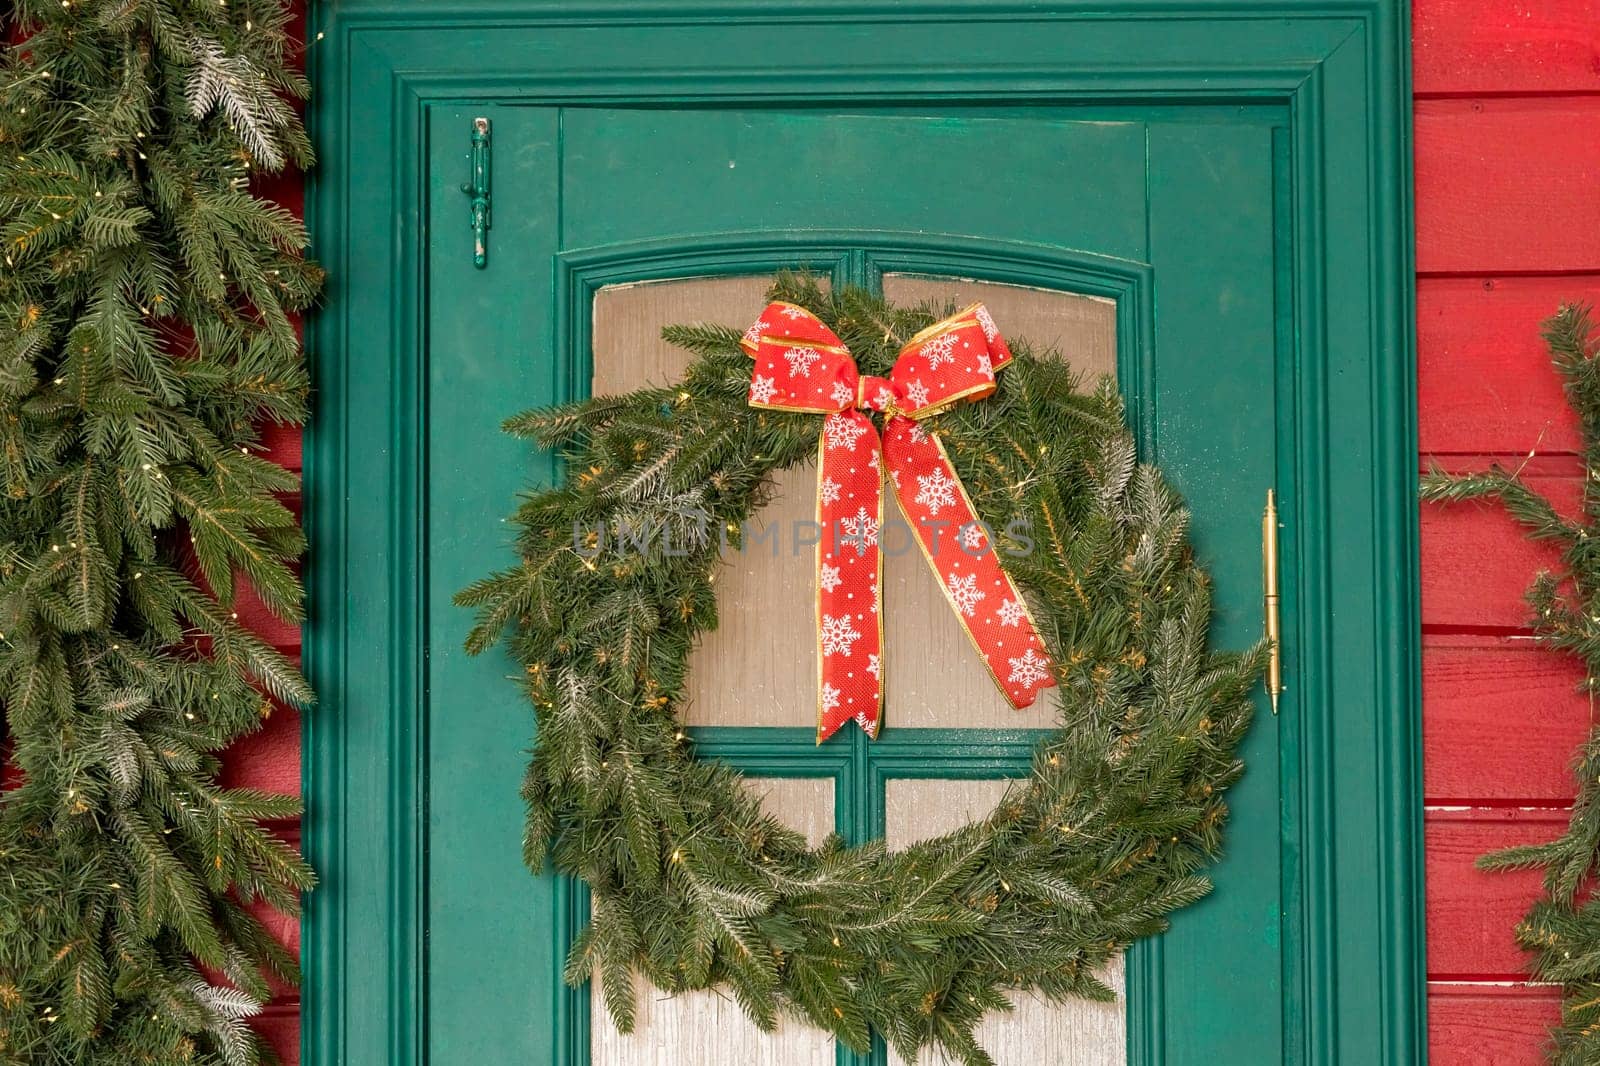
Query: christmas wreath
[{"x": 693, "y": 883}]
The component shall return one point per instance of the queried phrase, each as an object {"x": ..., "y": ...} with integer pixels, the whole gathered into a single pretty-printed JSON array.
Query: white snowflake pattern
[
  {"x": 1011, "y": 612},
  {"x": 753, "y": 334},
  {"x": 801, "y": 360},
  {"x": 830, "y": 490},
  {"x": 970, "y": 536},
  {"x": 792, "y": 312},
  {"x": 985, "y": 364},
  {"x": 842, "y": 394},
  {"x": 940, "y": 350},
  {"x": 842, "y": 432},
  {"x": 917, "y": 395},
  {"x": 829, "y": 578},
  {"x": 830, "y": 697},
  {"x": 918, "y": 434},
  {"x": 964, "y": 592},
  {"x": 935, "y": 491},
  {"x": 986, "y": 322},
  {"x": 1028, "y": 669},
  {"x": 860, "y": 531},
  {"x": 873, "y": 666},
  {"x": 884, "y": 399},
  {"x": 872, "y": 460},
  {"x": 838, "y": 635},
  {"x": 762, "y": 389}
]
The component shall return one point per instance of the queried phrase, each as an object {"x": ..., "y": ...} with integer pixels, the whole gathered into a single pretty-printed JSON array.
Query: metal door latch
[{"x": 478, "y": 189}]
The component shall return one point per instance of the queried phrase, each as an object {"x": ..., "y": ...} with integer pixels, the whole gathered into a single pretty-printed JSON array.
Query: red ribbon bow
[{"x": 800, "y": 365}]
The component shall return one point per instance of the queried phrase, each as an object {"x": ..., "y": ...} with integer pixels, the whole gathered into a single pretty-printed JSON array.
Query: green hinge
[{"x": 478, "y": 189}]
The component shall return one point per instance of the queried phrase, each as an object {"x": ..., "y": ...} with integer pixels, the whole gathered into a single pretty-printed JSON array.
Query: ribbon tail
[
  {"x": 849, "y": 575},
  {"x": 961, "y": 552}
]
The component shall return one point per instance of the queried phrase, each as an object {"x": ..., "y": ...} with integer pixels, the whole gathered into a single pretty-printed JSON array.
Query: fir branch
[{"x": 144, "y": 329}]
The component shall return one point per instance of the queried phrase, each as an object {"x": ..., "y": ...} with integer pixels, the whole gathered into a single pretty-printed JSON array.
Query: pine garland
[
  {"x": 144, "y": 334},
  {"x": 693, "y": 884},
  {"x": 1562, "y": 929}
]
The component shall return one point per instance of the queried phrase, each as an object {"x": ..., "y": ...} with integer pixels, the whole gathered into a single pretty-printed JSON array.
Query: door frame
[{"x": 1341, "y": 68}]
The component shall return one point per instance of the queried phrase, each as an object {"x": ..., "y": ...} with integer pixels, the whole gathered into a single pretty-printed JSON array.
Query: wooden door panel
[{"x": 631, "y": 175}]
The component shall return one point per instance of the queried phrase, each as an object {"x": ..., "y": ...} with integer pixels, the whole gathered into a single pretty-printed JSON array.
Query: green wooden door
[
  {"x": 1233, "y": 174},
  {"x": 1173, "y": 214}
]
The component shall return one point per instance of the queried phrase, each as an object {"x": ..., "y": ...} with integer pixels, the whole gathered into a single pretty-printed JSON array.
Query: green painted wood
[
  {"x": 1218, "y": 431},
  {"x": 1321, "y": 147},
  {"x": 487, "y": 364}
]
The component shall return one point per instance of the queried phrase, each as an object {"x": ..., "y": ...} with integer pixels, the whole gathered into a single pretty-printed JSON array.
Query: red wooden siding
[{"x": 1508, "y": 227}]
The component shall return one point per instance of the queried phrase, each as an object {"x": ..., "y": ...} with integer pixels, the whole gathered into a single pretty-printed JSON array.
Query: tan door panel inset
[
  {"x": 710, "y": 1027},
  {"x": 758, "y": 667},
  {"x": 1037, "y": 1031},
  {"x": 934, "y": 677},
  {"x": 1083, "y": 328}
]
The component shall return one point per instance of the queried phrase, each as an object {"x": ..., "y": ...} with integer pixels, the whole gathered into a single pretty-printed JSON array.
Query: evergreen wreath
[
  {"x": 144, "y": 334},
  {"x": 1562, "y": 929},
  {"x": 693, "y": 884}
]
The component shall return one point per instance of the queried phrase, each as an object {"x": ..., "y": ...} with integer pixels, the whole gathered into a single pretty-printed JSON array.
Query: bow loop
[
  {"x": 954, "y": 359},
  {"x": 801, "y": 365}
]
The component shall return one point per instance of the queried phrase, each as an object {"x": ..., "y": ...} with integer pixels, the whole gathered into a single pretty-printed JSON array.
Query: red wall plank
[
  {"x": 1471, "y": 914},
  {"x": 282, "y": 444},
  {"x": 1489, "y": 1026},
  {"x": 1483, "y": 46},
  {"x": 1484, "y": 383},
  {"x": 280, "y": 1025},
  {"x": 1500, "y": 721},
  {"x": 268, "y": 759},
  {"x": 1476, "y": 562},
  {"x": 1508, "y": 184}
]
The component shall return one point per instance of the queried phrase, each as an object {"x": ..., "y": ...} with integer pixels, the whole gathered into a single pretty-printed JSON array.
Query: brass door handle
[{"x": 1269, "y": 584}]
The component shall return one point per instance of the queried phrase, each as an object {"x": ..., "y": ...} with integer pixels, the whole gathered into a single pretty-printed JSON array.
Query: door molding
[
  {"x": 1341, "y": 69},
  {"x": 862, "y": 255}
]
